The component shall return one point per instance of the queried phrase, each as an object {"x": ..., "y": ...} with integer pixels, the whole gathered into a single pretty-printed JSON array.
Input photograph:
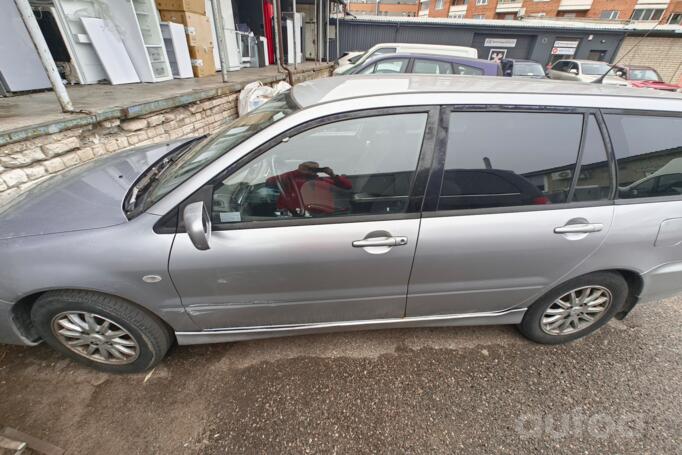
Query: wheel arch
[{"x": 21, "y": 311}]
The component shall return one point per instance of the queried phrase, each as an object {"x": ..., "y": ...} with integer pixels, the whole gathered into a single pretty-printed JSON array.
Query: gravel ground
[{"x": 456, "y": 390}]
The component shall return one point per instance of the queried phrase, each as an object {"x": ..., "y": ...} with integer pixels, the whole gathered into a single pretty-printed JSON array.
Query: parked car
[
  {"x": 427, "y": 64},
  {"x": 394, "y": 48},
  {"x": 583, "y": 71},
  {"x": 350, "y": 57},
  {"x": 643, "y": 77},
  {"x": 523, "y": 68},
  {"x": 315, "y": 212}
]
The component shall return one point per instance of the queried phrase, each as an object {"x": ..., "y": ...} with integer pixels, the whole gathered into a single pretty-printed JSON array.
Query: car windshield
[
  {"x": 595, "y": 69},
  {"x": 218, "y": 144},
  {"x": 527, "y": 69},
  {"x": 644, "y": 75}
]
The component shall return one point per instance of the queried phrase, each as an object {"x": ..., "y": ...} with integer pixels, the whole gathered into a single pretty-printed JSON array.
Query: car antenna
[{"x": 600, "y": 79}]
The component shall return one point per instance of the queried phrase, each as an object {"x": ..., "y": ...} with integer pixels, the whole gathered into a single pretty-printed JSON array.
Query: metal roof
[
  {"x": 320, "y": 91},
  {"x": 532, "y": 23}
]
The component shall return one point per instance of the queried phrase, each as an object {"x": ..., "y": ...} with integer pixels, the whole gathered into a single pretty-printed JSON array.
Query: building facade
[
  {"x": 405, "y": 8},
  {"x": 663, "y": 11}
]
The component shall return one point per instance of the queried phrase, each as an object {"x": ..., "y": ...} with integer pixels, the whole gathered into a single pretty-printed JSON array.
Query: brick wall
[
  {"x": 624, "y": 8},
  {"x": 487, "y": 10},
  {"x": 407, "y": 9},
  {"x": 663, "y": 54},
  {"x": 443, "y": 12},
  {"x": 551, "y": 9},
  {"x": 25, "y": 163}
]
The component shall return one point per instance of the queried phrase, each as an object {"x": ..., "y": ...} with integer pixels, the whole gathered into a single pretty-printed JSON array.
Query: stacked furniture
[{"x": 192, "y": 15}]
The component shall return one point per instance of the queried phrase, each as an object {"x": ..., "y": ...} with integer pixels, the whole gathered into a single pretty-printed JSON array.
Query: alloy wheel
[
  {"x": 576, "y": 310},
  {"x": 95, "y": 337}
]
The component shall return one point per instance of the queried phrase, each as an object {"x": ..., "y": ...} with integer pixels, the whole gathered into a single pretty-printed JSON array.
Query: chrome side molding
[{"x": 513, "y": 316}]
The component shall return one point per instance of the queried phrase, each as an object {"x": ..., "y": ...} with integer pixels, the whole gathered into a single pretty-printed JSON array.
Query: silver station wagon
[{"x": 357, "y": 203}]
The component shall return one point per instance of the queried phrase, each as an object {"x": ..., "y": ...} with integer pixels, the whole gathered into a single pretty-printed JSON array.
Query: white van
[{"x": 392, "y": 48}]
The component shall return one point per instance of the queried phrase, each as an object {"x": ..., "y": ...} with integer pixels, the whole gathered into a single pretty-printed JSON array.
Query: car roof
[
  {"x": 521, "y": 60},
  {"x": 310, "y": 93},
  {"x": 583, "y": 61},
  {"x": 639, "y": 67},
  {"x": 419, "y": 45},
  {"x": 443, "y": 58}
]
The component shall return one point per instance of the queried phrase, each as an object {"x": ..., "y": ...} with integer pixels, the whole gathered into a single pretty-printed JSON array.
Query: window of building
[
  {"x": 479, "y": 16},
  {"x": 568, "y": 15},
  {"x": 675, "y": 18},
  {"x": 352, "y": 167},
  {"x": 648, "y": 14},
  {"x": 609, "y": 15},
  {"x": 481, "y": 2},
  {"x": 533, "y": 165},
  {"x": 649, "y": 154},
  {"x": 456, "y": 15},
  {"x": 424, "y": 6},
  {"x": 439, "y": 4}
]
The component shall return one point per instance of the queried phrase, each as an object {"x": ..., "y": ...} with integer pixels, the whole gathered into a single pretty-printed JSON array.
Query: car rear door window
[
  {"x": 360, "y": 166},
  {"x": 505, "y": 159},
  {"x": 648, "y": 151},
  {"x": 423, "y": 66},
  {"x": 594, "y": 179}
]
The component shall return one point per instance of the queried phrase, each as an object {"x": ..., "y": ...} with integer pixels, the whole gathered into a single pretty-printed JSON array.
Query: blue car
[{"x": 428, "y": 64}]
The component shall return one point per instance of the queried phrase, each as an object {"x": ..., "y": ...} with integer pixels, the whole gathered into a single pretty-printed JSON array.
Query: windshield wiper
[{"x": 153, "y": 174}]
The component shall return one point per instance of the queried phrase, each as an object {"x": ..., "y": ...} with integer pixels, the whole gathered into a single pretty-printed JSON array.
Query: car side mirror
[
  {"x": 198, "y": 225},
  {"x": 573, "y": 71}
]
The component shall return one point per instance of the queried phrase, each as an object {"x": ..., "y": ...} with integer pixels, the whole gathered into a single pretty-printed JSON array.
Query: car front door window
[{"x": 361, "y": 166}]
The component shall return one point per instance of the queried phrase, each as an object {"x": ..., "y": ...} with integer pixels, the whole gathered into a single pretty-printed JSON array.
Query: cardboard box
[
  {"x": 190, "y": 6},
  {"x": 202, "y": 60},
  {"x": 197, "y": 27}
]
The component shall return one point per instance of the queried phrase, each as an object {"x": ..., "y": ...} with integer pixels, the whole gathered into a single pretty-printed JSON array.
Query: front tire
[
  {"x": 101, "y": 331},
  {"x": 575, "y": 309}
]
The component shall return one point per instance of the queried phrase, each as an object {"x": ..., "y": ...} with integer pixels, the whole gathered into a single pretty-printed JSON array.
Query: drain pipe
[
  {"x": 280, "y": 45},
  {"x": 44, "y": 53}
]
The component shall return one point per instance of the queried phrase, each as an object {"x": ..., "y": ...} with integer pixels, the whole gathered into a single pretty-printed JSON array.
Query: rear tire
[
  {"x": 575, "y": 309},
  {"x": 101, "y": 331}
]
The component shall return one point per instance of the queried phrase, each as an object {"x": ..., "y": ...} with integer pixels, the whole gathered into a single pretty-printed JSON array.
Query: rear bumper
[
  {"x": 662, "y": 282},
  {"x": 9, "y": 333}
]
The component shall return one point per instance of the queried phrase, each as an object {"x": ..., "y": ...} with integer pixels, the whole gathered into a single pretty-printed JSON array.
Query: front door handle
[
  {"x": 583, "y": 228},
  {"x": 380, "y": 241}
]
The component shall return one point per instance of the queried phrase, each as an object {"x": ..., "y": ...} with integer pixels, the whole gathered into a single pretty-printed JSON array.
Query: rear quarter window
[{"x": 648, "y": 151}]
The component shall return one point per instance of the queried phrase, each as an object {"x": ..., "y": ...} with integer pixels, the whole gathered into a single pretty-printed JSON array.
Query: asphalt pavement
[{"x": 478, "y": 390}]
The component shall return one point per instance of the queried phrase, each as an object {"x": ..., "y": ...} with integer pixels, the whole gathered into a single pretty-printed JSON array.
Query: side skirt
[{"x": 513, "y": 316}]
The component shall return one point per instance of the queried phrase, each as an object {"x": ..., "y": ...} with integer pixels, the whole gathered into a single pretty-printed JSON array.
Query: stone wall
[{"x": 24, "y": 163}]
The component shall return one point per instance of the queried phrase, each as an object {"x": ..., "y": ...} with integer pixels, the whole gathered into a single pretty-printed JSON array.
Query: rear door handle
[
  {"x": 584, "y": 228},
  {"x": 380, "y": 241}
]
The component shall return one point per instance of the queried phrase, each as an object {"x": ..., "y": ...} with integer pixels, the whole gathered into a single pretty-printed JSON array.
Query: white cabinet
[
  {"x": 137, "y": 24},
  {"x": 157, "y": 66},
  {"x": 176, "y": 47}
]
